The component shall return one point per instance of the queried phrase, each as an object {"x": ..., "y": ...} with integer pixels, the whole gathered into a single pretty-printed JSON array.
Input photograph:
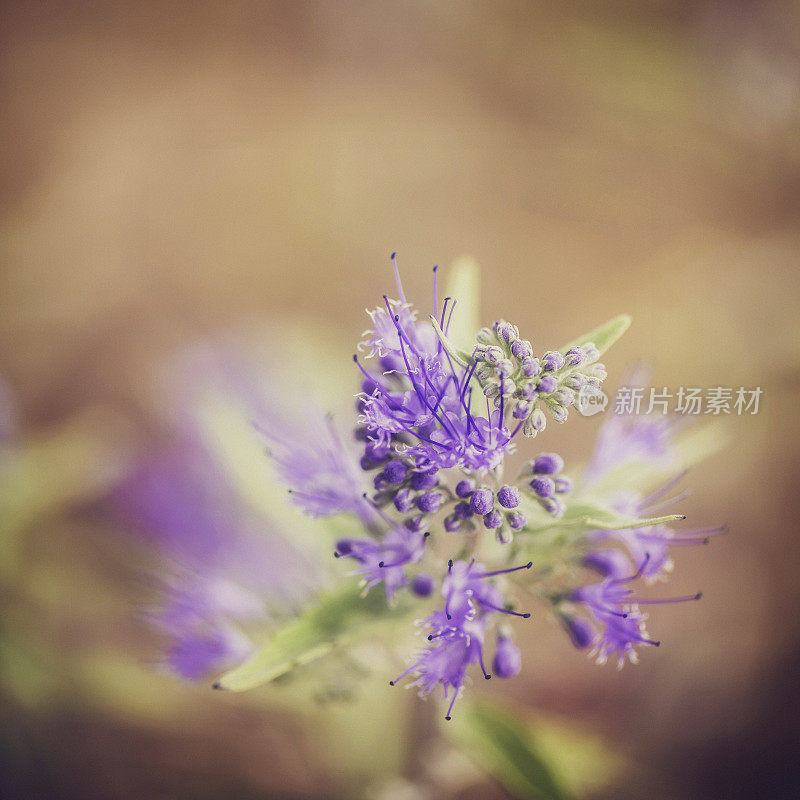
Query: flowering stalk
[
  {"x": 435, "y": 425},
  {"x": 442, "y": 526}
]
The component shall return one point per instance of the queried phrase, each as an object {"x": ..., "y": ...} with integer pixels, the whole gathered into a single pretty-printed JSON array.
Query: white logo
[{"x": 591, "y": 400}]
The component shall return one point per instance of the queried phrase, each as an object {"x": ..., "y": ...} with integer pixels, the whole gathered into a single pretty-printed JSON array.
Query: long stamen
[
  {"x": 397, "y": 278},
  {"x": 502, "y": 610},
  {"x": 638, "y": 573},
  {"x": 452, "y": 703},
  {"x": 665, "y": 600},
  {"x": 403, "y": 674},
  {"x": 444, "y": 311},
  {"x": 420, "y": 392},
  {"x": 662, "y": 490},
  {"x": 435, "y": 290},
  {"x": 480, "y": 661},
  {"x": 504, "y": 571},
  {"x": 379, "y": 511},
  {"x": 470, "y": 370},
  {"x": 450, "y": 317},
  {"x": 450, "y": 593},
  {"x": 464, "y": 405},
  {"x": 678, "y": 498}
]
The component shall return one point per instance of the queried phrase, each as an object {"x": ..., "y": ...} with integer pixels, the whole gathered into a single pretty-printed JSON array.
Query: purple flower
[
  {"x": 620, "y": 637},
  {"x": 197, "y": 654},
  {"x": 446, "y": 662},
  {"x": 323, "y": 475},
  {"x": 649, "y": 546},
  {"x": 384, "y": 560},
  {"x": 611, "y": 604},
  {"x": 633, "y": 438}
]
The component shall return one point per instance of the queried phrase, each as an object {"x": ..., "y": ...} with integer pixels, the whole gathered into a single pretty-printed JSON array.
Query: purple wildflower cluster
[
  {"x": 431, "y": 515},
  {"x": 435, "y": 427}
]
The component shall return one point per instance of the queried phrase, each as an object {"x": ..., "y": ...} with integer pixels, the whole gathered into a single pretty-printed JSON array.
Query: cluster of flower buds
[
  {"x": 508, "y": 372},
  {"x": 547, "y": 482},
  {"x": 498, "y": 510}
]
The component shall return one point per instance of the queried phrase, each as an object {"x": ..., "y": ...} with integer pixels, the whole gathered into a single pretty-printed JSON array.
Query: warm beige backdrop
[{"x": 171, "y": 169}]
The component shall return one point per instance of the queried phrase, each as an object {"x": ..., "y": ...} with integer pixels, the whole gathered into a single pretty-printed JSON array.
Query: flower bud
[
  {"x": 509, "y": 497},
  {"x": 507, "y": 661},
  {"x": 395, "y": 471},
  {"x": 492, "y": 520},
  {"x": 574, "y": 382},
  {"x": 516, "y": 520},
  {"x": 506, "y": 331},
  {"x": 548, "y": 464},
  {"x": 580, "y": 631},
  {"x": 465, "y": 488},
  {"x": 422, "y": 481},
  {"x": 503, "y": 535},
  {"x": 543, "y": 486},
  {"x": 486, "y": 336},
  {"x": 530, "y": 367},
  {"x": 552, "y": 361},
  {"x": 521, "y": 410},
  {"x": 564, "y": 397},
  {"x": 462, "y": 510},
  {"x": 574, "y": 356},
  {"x": 429, "y": 502},
  {"x": 422, "y": 584},
  {"x": 553, "y": 506},
  {"x": 504, "y": 369},
  {"x": 403, "y": 501},
  {"x": 590, "y": 352},
  {"x": 528, "y": 390},
  {"x": 415, "y": 524},
  {"x": 481, "y": 502},
  {"x": 563, "y": 484},
  {"x": 547, "y": 384},
  {"x": 521, "y": 349},
  {"x": 452, "y": 523},
  {"x": 493, "y": 355}
]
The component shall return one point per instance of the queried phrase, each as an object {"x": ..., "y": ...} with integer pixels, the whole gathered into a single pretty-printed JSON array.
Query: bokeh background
[{"x": 174, "y": 171}]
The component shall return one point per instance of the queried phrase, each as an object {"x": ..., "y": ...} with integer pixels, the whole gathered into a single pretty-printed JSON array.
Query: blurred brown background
[{"x": 172, "y": 169}]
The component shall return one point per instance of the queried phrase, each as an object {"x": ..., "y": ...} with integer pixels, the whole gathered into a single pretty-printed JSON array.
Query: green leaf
[
  {"x": 592, "y": 515},
  {"x": 604, "y": 336},
  {"x": 463, "y": 284},
  {"x": 335, "y": 617},
  {"x": 504, "y": 746},
  {"x": 596, "y": 515},
  {"x": 460, "y": 356}
]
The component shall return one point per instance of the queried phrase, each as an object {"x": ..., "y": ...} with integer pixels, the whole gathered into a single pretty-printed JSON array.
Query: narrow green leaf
[
  {"x": 604, "y": 336},
  {"x": 504, "y": 746},
  {"x": 596, "y": 515},
  {"x": 336, "y": 616},
  {"x": 591, "y": 515},
  {"x": 463, "y": 284},
  {"x": 460, "y": 356}
]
